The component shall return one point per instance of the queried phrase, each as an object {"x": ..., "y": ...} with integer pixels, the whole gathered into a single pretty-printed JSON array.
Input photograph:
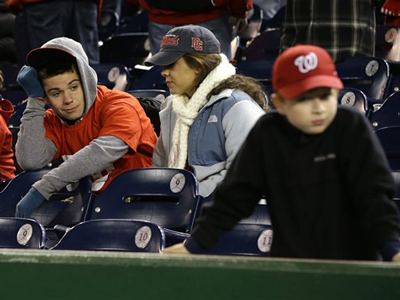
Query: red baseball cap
[{"x": 302, "y": 68}]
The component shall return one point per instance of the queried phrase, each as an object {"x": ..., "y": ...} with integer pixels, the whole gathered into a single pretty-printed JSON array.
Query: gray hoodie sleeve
[
  {"x": 92, "y": 159},
  {"x": 33, "y": 149}
]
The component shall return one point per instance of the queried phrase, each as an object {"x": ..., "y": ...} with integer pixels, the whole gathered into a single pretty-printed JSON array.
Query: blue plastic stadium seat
[
  {"x": 265, "y": 46},
  {"x": 64, "y": 207},
  {"x": 261, "y": 70},
  {"x": 355, "y": 98},
  {"x": 108, "y": 25},
  {"x": 245, "y": 240},
  {"x": 152, "y": 93},
  {"x": 21, "y": 233},
  {"x": 113, "y": 235},
  {"x": 113, "y": 75},
  {"x": 148, "y": 79},
  {"x": 164, "y": 196},
  {"x": 368, "y": 74},
  {"x": 386, "y": 124},
  {"x": 252, "y": 236},
  {"x": 126, "y": 48},
  {"x": 388, "y": 114}
]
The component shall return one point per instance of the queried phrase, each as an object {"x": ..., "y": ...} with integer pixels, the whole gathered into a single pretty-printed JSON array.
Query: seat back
[
  {"x": 21, "y": 233},
  {"x": 64, "y": 207},
  {"x": 148, "y": 78},
  {"x": 368, "y": 74},
  {"x": 388, "y": 114},
  {"x": 112, "y": 75},
  {"x": 265, "y": 46},
  {"x": 260, "y": 70},
  {"x": 245, "y": 239},
  {"x": 389, "y": 138},
  {"x": 15, "y": 120},
  {"x": 144, "y": 93},
  {"x": 108, "y": 24},
  {"x": 12, "y": 90},
  {"x": 126, "y": 48},
  {"x": 355, "y": 98},
  {"x": 113, "y": 235},
  {"x": 164, "y": 196}
]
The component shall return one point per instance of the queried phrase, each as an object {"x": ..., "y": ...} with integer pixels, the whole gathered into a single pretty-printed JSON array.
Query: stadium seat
[
  {"x": 396, "y": 198},
  {"x": 164, "y": 196},
  {"x": 126, "y": 48},
  {"x": 136, "y": 22},
  {"x": 113, "y": 235},
  {"x": 261, "y": 70},
  {"x": 355, "y": 98},
  {"x": 15, "y": 120},
  {"x": 254, "y": 22},
  {"x": 265, "y": 46},
  {"x": 12, "y": 90},
  {"x": 368, "y": 74},
  {"x": 390, "y": 141},
  {"x": 386, "y": 124},
  {"x": 112, "y": 75},
  {"x": 252, "y": 236},
  {"x": 64, "y": 207},
  {"x": 150, "y": 78},
  {"x": 388, "y": 114},
  {"x": 152, "y": 93},
  {"x": 245, "y": 240},
  {"x": 108, "y": 24},
  {"x": 21, "y": 233}
]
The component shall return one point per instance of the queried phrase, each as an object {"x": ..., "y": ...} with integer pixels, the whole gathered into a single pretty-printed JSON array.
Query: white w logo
[{"x": 306, "y": 63}]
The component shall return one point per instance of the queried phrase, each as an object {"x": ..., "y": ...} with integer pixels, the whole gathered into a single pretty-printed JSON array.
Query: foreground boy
[{"x": 322, "y": 171}]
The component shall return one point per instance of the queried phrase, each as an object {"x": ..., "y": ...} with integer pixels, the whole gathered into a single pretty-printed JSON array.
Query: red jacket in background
[
  {"x": 237, "y": 9},
  {"x": 7, "y": 167}
]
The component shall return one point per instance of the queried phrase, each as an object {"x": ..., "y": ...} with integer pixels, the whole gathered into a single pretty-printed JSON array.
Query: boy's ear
[{"x": 278, "y": 103}]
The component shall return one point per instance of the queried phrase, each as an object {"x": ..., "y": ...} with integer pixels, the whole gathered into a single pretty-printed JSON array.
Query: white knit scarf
[{"x": 187, "y": 110}]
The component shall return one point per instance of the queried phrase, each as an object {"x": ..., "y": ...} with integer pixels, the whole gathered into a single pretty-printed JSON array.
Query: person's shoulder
[
  {"x": 349, "y": 114},
  {"x": 270, "y": 118}
]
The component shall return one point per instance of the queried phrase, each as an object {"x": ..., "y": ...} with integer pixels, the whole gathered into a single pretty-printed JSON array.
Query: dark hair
[
  {"x": 246, "y": 84},
  {"x": 202, "y": 63},
  {"x": 53, "y": 67},
  {"x": 205, "y": 63}
]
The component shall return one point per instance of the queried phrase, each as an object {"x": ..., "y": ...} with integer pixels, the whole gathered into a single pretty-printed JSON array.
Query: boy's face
[
  {"x": 64, "y": 94},
  {"x": 312, "y": 112}
]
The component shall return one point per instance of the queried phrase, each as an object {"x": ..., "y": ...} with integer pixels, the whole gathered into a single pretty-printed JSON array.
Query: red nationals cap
[{"x": 302, "y": 68}]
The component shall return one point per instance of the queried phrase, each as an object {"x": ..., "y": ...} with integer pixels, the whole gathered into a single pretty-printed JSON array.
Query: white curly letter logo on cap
[{"x": 306, "y": 63}]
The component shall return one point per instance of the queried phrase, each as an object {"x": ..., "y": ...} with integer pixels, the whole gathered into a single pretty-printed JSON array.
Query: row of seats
[{"x": 142, "y": 210}]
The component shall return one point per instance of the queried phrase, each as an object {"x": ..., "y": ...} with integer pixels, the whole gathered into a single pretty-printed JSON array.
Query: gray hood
[{"x": 87, "y": 74}]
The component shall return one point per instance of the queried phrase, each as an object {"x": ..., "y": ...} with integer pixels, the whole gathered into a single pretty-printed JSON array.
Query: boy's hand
[
  {"x": 176, "y": 249},
  {"x": 28, "y": 78},
  {"x": 26, "y": 206}
]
